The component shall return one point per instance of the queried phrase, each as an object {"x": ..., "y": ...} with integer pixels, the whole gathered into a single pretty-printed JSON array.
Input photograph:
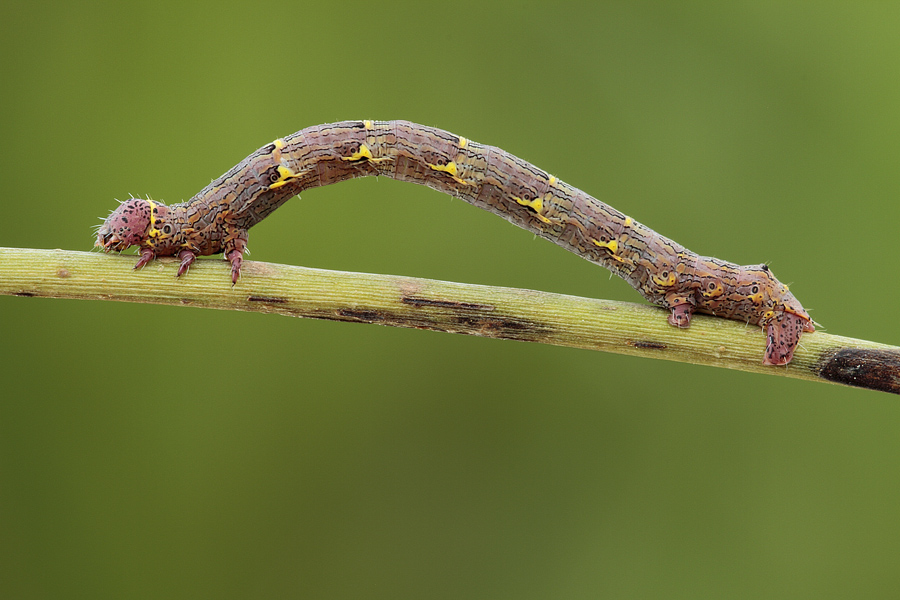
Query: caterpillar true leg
[{"x": 187, "y": 258}]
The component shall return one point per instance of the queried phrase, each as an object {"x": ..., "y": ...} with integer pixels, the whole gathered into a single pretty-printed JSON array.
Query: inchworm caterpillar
[{"x": 664, "y": 272}]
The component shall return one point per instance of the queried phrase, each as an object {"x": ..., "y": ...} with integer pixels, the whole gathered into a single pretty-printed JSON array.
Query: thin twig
[{"x": 496, "y": 312}]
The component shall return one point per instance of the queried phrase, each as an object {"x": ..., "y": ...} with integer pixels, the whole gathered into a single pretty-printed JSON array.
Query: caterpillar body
[{"x": 665, "y": 273}]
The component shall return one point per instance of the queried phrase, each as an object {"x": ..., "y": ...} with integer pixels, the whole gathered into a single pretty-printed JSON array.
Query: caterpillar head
[{"x": 128, "y": 225}]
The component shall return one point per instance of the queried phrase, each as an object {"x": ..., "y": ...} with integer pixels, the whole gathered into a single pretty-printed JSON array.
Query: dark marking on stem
[
  {"x": 498, "y": 328},
  {"x": 419, "y": 302},
  {"x": 363, "y": 316},
  {"x": 503, "y": 328},
  {"x": 62, "y": 272},
  {"x": 25, "y": 294},
  {"x": 648, "y": 345},
  {"x": 859, "y": 367},
  {"x": 495, "y": 324},
  {"x": 267, "y": 299}
]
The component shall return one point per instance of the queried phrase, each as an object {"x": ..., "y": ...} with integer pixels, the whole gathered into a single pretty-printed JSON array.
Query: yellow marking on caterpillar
[
  {"x": 463, "y": 142},
  {"x": 450, "y": 169},
  {"x": 284, "y": 175},
  {"x": 537, "y": 205},
  {"x": 612, "y": 246},
  {"x": 360, "y": 154},
  {"x": 667, "y": 281},
  {"x": 189, "y": 245},
  {"x": 153, "y": 232},
  {"x": 712, "y": 293},
  {"x": 756, "y": 298},
  {"x": 279, "y": 144},
  {"x": 368, "y": 124},
  {"x": 552, "y": 180},
  {"x": 628, "y": 222}
]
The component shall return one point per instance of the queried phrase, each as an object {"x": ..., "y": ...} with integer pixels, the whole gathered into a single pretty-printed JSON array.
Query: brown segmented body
[{"x": 664, "y": 272}]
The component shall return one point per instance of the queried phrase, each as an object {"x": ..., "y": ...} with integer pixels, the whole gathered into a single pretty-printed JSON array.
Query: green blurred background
[{"x": 150, "y": 452}]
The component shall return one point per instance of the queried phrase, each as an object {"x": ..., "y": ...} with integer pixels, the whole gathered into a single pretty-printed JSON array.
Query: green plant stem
[{"x": 507, "y": 313}]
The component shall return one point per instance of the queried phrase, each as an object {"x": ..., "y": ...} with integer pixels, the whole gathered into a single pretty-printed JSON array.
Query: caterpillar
[{"x": 665, "y": 273}]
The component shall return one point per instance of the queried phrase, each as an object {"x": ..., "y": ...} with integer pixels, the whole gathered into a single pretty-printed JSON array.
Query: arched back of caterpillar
[{"x": 664, "y": 272}]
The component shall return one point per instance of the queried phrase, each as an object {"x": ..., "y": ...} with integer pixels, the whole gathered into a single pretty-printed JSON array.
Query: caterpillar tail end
[{"x": 782, "y": 337}]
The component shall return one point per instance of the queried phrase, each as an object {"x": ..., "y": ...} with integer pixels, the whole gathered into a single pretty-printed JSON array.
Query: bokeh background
[{"x": 150, "y": 452}]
